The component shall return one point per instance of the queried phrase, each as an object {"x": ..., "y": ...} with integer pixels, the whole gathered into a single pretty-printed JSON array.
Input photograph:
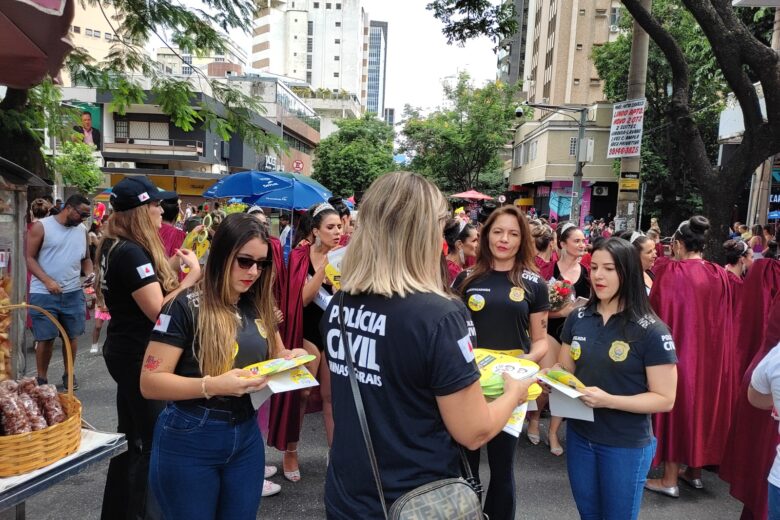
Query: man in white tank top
[{"x": 57, "y": 253}]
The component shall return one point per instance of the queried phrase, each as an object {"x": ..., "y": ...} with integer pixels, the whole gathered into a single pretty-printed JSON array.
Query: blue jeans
[
  {"x": 206, "y": 468},
  {"x": 774, "y": 502},
  {"x": 607, "y": 482}
]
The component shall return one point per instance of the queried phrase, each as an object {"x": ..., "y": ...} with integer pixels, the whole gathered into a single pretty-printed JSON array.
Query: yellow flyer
[
  {"x": 274, "y": 366},
  {"x": 492, "y": 362},
  {"x": 333, "y": 269}
]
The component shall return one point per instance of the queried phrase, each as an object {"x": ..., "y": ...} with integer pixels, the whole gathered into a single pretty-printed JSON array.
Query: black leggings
[{"x": 500, "y": 499}]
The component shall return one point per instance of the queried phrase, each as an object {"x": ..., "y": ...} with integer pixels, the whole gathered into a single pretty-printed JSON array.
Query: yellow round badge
[
  {"x": 261, "y": 329},
  {"x": 575, "y": 350},
  {"x": 517, "y": 294},
  {"x": 235, "y": 350},
  {"x": 619, "y": 351},
  {"x": 476, "y": 302}
]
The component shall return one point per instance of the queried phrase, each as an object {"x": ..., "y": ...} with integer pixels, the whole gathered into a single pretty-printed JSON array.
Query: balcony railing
[{"x": 144, "y": 146}]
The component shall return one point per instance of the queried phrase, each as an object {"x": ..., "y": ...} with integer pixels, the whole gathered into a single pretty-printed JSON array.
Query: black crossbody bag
[{"x": 445, "y": 499}]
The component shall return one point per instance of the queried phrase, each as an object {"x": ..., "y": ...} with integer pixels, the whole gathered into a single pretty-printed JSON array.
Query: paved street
[{"x": 542, "y": 485}]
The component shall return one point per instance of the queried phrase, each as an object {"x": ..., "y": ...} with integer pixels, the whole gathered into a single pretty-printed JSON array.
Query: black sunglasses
[{"x": 247, "y": 263}]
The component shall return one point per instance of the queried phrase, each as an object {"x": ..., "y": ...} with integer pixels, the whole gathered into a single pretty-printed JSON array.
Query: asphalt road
[{"x": 541, "y": 479}]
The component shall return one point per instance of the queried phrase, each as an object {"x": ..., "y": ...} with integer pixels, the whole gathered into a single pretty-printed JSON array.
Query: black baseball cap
[{"x": 132, "y": 192}]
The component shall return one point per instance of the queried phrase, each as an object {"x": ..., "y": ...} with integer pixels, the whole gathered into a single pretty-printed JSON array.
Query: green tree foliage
[
  {"x": 467, "y": 19},
  {"x": 137, "y": 25},
  {"x": 347, "y": 161},
  {"x": 458, "y": 146},
  {"x": 76, "y": 166},
  {"x": 672, "y": 193}
]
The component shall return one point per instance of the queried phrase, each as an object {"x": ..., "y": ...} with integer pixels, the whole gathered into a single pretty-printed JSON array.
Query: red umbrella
[
  {"x": 471, "y": 195},
  {"x": 33, "y": 40}
]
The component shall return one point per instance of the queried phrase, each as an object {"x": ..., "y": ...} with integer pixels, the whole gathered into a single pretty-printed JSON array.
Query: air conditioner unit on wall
[
  {"x": 128, "y": 165},
  {"x": 614, "y": 28},
  {"x": 600, "y": 191},
  {"x": 113, "y": 164}
]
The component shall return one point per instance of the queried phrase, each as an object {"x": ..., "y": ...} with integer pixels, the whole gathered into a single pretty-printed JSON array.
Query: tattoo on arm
[
  {"x": 151, "y": 364},
  {"x": 544, "y": 324}
]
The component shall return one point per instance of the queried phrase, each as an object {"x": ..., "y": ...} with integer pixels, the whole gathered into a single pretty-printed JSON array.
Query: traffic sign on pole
[{"x": 297, "y": 165}]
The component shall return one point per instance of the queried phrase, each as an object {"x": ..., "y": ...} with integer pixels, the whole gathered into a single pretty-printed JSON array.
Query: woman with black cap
[{"x": 134, "y": 279}]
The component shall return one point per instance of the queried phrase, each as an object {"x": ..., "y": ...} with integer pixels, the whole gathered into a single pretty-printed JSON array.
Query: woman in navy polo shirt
[{"x": 625, "y": 356}]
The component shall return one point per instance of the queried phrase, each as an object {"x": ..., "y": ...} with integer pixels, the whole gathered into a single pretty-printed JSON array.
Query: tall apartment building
[
  {"x": 323, "y": 43},
  {"x": 511, "y": 51},
  {"x": 377, "y": 68},
  {"x": 92, "y": 29},
  {"x": 389, "y": 116},
  {"x": 559, "y": 69}
]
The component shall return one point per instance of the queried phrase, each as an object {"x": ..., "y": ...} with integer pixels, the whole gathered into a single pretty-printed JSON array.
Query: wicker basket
[{"x": 30, "y": 451}]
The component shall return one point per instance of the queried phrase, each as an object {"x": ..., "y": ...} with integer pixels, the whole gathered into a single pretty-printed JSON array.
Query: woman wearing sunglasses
[{"x": 207, "y": 456}]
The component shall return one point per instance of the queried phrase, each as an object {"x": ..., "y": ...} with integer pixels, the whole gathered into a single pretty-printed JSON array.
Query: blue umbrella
[
  {"x": 245, "y": 184},
  {"x": 302, "y": 193}
]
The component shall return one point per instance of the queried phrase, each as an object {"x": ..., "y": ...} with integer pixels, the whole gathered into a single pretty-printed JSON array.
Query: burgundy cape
[
  {"x": 285, "y": 419},
  {"x": 758, "y": 290},
  {"x": 750, "y": 450},
  {"x": 546, "y": 269},
  {"x": 693, "y": 297}
]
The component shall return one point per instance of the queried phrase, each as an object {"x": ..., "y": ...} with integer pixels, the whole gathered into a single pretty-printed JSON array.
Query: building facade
[
  {"x": 511, "y": 51},
  {"x": 377, "y": 68},
  {"x": 562, "y": 34},
  {"x": 543, "y": 165},
  {"x": 92, "y": 29},
  {"x": 170, "y": 62},
  {"x": 322, "y": 43},
  {"x": 390, "y": 116}
]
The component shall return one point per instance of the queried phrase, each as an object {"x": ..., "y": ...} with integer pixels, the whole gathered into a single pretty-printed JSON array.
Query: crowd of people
[{"x": 668, "y": 345}]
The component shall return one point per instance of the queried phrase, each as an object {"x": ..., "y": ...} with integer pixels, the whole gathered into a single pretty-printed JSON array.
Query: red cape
[
  {"x": 750, "y": 449},
  {"x": 693, "y": 297},
  {"x": 284, "y": 423},
  {"x": 546, "y": 268}
]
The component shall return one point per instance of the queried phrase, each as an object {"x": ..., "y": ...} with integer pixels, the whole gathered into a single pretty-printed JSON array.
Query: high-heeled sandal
[
  {"x": 295, "y": 475},
  {"x": 533, "y": 438}
]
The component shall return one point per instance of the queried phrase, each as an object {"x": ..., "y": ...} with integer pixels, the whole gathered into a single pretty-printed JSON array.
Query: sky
[{"x": 418, "y": 57}]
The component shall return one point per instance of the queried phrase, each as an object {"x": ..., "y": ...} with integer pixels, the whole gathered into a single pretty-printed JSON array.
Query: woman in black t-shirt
[
  {"x": 625, "y": 356},
  {"x": 207, "y": 457},
  {"x": 508, "y": 301},
  {"x": 133, "y": 279},
  {"x": 413, "y": 356},
  {"x": 571, "y": 243}
]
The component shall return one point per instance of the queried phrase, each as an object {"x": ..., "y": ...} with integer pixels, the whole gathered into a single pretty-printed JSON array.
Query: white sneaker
[
  {"x": 269, "y": 488},
  {"x": 94, "y": 349},
  {"x": 270, "y": 471}
]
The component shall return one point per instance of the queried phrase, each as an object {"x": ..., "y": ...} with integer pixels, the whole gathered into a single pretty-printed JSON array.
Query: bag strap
[{"x": 361, "y": 411}]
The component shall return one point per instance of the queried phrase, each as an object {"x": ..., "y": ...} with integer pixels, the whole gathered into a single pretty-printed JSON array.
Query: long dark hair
[
  {"x": 524, "y": 260},
  {"x": 632, "y": 293},
  {"x": 216, "y": 327}
]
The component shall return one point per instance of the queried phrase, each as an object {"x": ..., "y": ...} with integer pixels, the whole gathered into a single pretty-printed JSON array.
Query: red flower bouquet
[{"x": 561, "y": 292}]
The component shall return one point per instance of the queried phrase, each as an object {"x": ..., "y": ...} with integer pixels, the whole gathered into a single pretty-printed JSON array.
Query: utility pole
[
  {"x": 628, "y": 199},
  {"x": 576, "y": 187}
]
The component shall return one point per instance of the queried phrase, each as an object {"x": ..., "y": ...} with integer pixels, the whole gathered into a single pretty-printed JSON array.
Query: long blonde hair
[
  {"x": 397, "y": 247},
  {"x": 137, "y": 226},
  {"x": 217, "y": 317}
]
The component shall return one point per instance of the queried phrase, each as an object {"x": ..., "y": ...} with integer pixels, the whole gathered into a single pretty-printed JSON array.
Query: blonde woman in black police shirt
[
  {"x": 207, "y": 456},
  {"x": 508, "y": 303},
  {"x": 625, "y": 356}
]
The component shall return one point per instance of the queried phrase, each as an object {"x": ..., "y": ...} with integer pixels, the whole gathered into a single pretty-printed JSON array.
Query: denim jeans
[
  {"x": 774, "y": 502},
  {"x": 607, "y": 481},
  {"x": 206, "y": 468}
]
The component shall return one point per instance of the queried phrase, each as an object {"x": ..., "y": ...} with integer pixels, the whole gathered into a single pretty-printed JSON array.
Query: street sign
[
  {"x": 629, "y": 181},
  {"x": 297, "y": 165},
  {"x": 625, "y": 136},
  {"x": 501, "y": 199}
]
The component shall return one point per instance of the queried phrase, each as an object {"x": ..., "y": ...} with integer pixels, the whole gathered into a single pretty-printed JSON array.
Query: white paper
[
  {"x": 90, "y": 440},
  {"x": 289, "y": 380},
  {"x": 565, "y": 402},
  {"x": 516, "y": 420}
]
